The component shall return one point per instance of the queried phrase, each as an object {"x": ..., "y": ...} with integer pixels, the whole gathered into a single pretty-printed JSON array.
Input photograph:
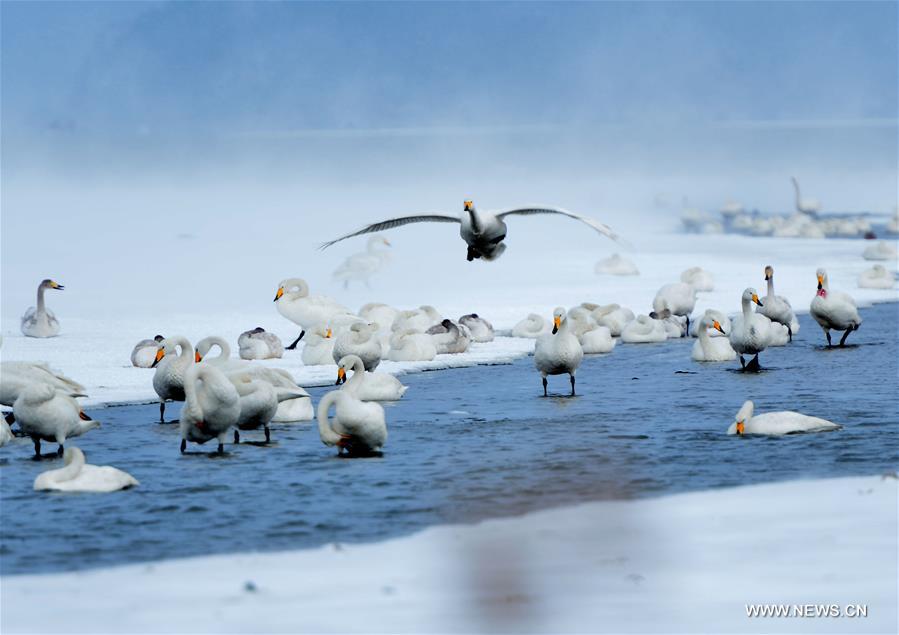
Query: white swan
[
  {"x": 612, "y": 316},
  {"x": 6, "y": 434},
  {"x": 644, "y": 330},
  {"x": 381, "y": 314},
  {"x": 259, "y": 344},
  {"x": 78, "y": 476},
  {"x": 39, "y": 321},
  {"x": 211, "y": 406},
  {"x": 834, "y": 310},
  {"x": 533, "y": 326},
  {"x": 679, "y": 298},
  {"x": 358, "y": 427},
  {"x": 144, "y": 352},
  {"x": 360, "y": 339},
  {"x": 44, "y": 413},
  {"x": 698, "y": 278},
  {"x": 420, "y": 319},
  {"x": 616, "y": 265},
  {"x": 559, "y": 352},
  {"x": 804, "y": 206},
  {"x": 483, "y": 232},
  {"x": 16, "y": 376},
  {"x": 294, "y": 302},
  {"x": 597, "y": 340},
  {"x": 168, "y": 380},
  {"x": 366, "y": 385},
  {"x": 259, "y": 401},
  {"x": 363, "y": 265},
  {"x": 877, "y": 277},
  {"x": 712, "y": 349},
  {"x": 449, "y": 337},
  {"x": 409, "y": 345},
  {"x": 750, "y": 332},
  {"x": 777, "y": 308},
  {"x": 777, "y": 423},
  {"x": 319, "y": 348},
  {"x": 481, "y": 330},
  {"x": 880, "y": 250}
]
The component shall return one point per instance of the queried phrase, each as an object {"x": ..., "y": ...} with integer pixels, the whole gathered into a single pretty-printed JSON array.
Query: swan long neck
[
  {"x": 704, "y": 339},
  {"x": 190, "y": 390},
  {"x": 325, "y": 430},
  {"x": 798, "y": 196},
  {"x": 747, "y": 307},
  {"x": 300, "y": 284},
  {"x": 771, "y": 286},
  {"x": 41, "y": 308},
  {"x": 74, "y": 461},
  {"x": 358, "y": 374},
  {"x": 475, "y": 222}
]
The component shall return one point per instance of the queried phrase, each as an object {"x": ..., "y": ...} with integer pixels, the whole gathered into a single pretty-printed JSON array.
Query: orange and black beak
[
  {"x": 57, "y": 286},
  {"x": 740, "y": 428},
  {"x": 717, "y": 326},
  {"x": 820, "y": 282},
  {"x": 468, "y": 206},
  {"x": 278, "y": 294},
  {"x": 341, "y": 376},
  {"x": 755, "y": 299},
  {"x": 160, "y": 353},
  {"x": 197, "y": 357},
  {"x": 328, "y": 334},
  {"x": 557, "y": 322}
]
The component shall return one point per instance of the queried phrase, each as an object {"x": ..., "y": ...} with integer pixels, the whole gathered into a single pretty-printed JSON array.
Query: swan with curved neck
[
  {"x": 750, "y": 332},
  {"x": 258, "y": 343},
  {"x": 804, "y": 206},
  {"x": 877, "y": 277},
  {"x": 168, "y": 380},
  {"x": 777, "y": 308},
  {"x": 559, "y": 352},
  {"x": 777, "y": 423},
  {"x": 449, "y": 337},
  {"x": 46, "y": 414},
  {"x": 834, "y": 310},
  {"x": 294, "y": 302},
  {"x": 644, "y": 330},
  {"x": 360, "y": 339},
  {"x": 367, "y": 385},
  {"x": 712, "y": 349},
  {"x": 358, "y": 427},
  {"x": 39, "y": 321},
  {"x": 144, "y": 352},
  {"x": 410, "y": 345},
  {"x": 533, "y": 326},
  {"x": 481, "y": 330},
  {"x": 211, "y": 406},
  {"x": 78, "y": 476},
  {"x": 679, "y": 298}
]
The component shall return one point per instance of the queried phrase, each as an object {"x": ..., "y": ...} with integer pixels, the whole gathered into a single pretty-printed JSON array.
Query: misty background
[{"x": 161, "y": 157}]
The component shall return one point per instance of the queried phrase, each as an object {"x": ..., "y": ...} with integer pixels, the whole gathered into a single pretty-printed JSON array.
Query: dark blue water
[{"x": 466, "y": 444}]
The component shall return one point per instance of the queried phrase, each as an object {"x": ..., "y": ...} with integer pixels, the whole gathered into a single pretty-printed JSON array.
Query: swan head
[
  {"x": 750, "y": 295},
  {"x": 558, "y": 316},
  {"x": 47, "y": 283},
  {"x": 468, "y": 206},
  {"x": 743, "y": 416},
  {"x": 158, "y": 338},
  {"x": 279, "y": 293},
  {"x": 347, "y": 361},
  {"x": 769, "y": 272},
  {"x": 822, "y": 278},
  {"x": 160, "y": 353}
]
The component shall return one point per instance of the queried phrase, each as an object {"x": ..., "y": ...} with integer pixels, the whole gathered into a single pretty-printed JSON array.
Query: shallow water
[{"x": 465, "y": 444}]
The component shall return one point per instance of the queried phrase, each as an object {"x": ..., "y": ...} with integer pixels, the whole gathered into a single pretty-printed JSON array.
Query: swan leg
[
  {"x": 790, "y": 332},
  {"x": 60, "y": 450},
  {"x": 742, "y": 363},
  {"x": 10, "y": 418},
  {"x": 183, "y": 445},
  {"x": 687, "y": 332},
  {"x": 161, "y": 412},
  {"x": 827, "y": 333},
  {"x": 572, "y": 385},
  {"x": 37, "y": 448},
  {"x": 295, "y": 342},
  {"x": 236, "y": 437},
  {"x": 221, "y": 448},
  {"x": 545, "y": 393},
  {"x": 268, "y": 434},
  {"x": 845, "y": 335},
  {"x": 753, "y": 365}
]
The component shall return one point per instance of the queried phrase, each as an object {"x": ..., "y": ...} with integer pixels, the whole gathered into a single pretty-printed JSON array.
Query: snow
[{"x": 681, "y": 563}]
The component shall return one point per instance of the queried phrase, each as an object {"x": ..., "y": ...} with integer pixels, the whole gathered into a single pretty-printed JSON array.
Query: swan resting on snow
[
  {"x": 480, "y": 329},
  {"x": 881, "y": 250},
  {"x": 360, "y": 339},
  {"x": 409, "y": 345},
  {"x": 777, "y": 423},
  {"x": 39, "y": 321},
  {"x": 483, "y": 232},
  {"x": 368, "y": 386},
  {"x": 533, "y": 326},
  {"x": 679, "y": 298},
  {"x": 293, "y": 301},
  {"x": 750, "y": 332},
  {"x": 559, "y": 352},
  {"x": 144, "y": 352},
  {"x": 319, "y": 348},
  {"x": 449, "y": 337},
  {"x": 877, "y": 277},
  {"x": 712, "y": 349},
  {"x": 258, "y": 343},
  {"x": 616, "y": 265},
  {"x": 45, "y": 413},
  {"x": 358, "y": 427},
  {"x": 78, "y": 476},
  {"x": 834, "y": 310},
  {"x": 698, "y": 278}
]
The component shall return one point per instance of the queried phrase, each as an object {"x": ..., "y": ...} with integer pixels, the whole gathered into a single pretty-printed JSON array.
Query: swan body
[
  {"x": 777, "y": 423},
  {"x": 481, "y": 330},
  {"x": 144, "y": 352},
  {"x": 259, "y": 344},
  {"x": 777, "y": 308},
  {"x": 360, "y": 339},
  {"x": 449, "y": 337},
  {"x": 168, "y": 380},
  {"x": 559, "y": 352},
  {"x": 597, "y": 340},
  {"x": 363, "y": 265},
  {"x": 804, "y": 206},
  {"x": 698, "y": 278},
  {"x": 78, "y": 476},
  {"x": 410, "y": 345},
  {"x": 612, "y": 316},
  {"x": 381, "y": 314},
  {"x": 834, "y": 309},
  {"x": 723, "y": 322},
  {"x": 750, "y": 332},
  {"x": 46, "y": 414},
  {"x": 369, "y": 386},
  {"x": 39, "y": 321},
  {"x": 420, "y": 319},
  {"x": 679, "y": 298},
  {"x": 533, "y": 326},
  {"x": 16, "y": 376},
  {"x": 712, "y": 349},
  {"x": 319, "y": 348},
  {"x": 359, "y": 427},
  {"x": 211, "y": 406},
  {"x": 259, "y": 402},
  {"x": 881, "y": 250},
  {"x": 644, "y": 330},
  {"x": 293, "y": 301},
  {"x": 616, "y": 265},
  {"x": 877, "y": 277}
]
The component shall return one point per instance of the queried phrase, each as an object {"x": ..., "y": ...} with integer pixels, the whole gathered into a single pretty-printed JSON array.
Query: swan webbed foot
[
  {"x": 236, "y": 437},
  {"x": 183, "y": 445},
  {"x": 572, "y": 385},
  {"x": 753, "y": 365},
  {"x": 545, "y": 392},
  {"x": 293, "y": 345},
  {"x": 268, "y": 434},
  {"x": 845, "y": 335}
]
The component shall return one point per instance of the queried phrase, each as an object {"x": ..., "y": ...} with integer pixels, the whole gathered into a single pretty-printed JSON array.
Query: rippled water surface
[{"x": 465, "y": 444}]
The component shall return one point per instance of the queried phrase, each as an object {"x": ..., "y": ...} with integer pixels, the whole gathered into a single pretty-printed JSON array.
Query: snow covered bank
[{"x": 690, "y": 562}]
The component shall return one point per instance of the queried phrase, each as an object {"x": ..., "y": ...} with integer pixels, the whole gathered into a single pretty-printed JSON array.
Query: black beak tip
[{"x": 555, "y": 330}]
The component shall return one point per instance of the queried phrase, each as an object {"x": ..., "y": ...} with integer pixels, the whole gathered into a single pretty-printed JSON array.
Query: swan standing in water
[
  {"x": 483, "y": 232},
  {"x": 362, "y": 266},
  {"x": 559, "y": 352},
  {"x": 360, "y": 339},
  {"x": 211, "y": 406},
  {"x": 750, "y": 332},
  {"x": 804, "y": 206},
  {"x": 644, "y": 330},
  {"x": 47, "y": 414},
  {"x": 449, "y": 337},
  {"x": 533, "y": 326},
  {"x": 877, "y": 277},
  {"x": 168, "y": 381},
  {"x": 39, "y": 321},
  {"x": 16, "y": 376},
  {"x": 777, "y": 423},
  {"x": 259, "y": 344},
  {"x": 294, "y": 302},
  {"x": 679, "y": 298},
  {"x": 481, "y": 330},
  {"x": 78, "y": 476},
  {"x": 358, "y": 427},
  {"x": 369, "y": 386},
  {"x": 144, "y": 353},
  {"x": 698, "y": 278},
  {"x": 616, "y": 265},
  {"x": 777, "y": 308},
  {"x": 408, "y": 345},
  {"x": 259, "y": 402},
  {"x": 834, "y": 310},
  {"x": 712, "y": 349}
]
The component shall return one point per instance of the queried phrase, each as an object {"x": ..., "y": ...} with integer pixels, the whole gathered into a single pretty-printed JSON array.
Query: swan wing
[
  {"x": 396, "y": 222},
  {"x": 602, "y": 228}
]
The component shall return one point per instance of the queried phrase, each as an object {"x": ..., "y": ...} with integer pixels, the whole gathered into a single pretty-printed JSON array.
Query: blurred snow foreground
[{"x": 688, "y": 562}]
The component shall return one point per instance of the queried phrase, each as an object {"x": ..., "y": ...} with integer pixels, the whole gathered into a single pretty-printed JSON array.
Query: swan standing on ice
[
  {"x": 211, "y": 406},
  {"x": 483, "y": 232},
  {"x": 450, "y": 338},
  {"x": 362, "y": 266},
  {"x": 559, "y": 352},
  {"x": 39, "y": 321},
  {"x": 368, "y": 386},
  {"x": 360, "y": 339},
  {"x": 533, "y": 326},
  {"x": 877, "y": 277},
  {"x": 698, "y": 278},
  {"x": 616, "y": 265},
  {"x": 777, "y": 423},
  {"x": 881, "y": 250},
  {"x": 481, "y": 330},
  {"x": 750, "y": 332},
  {"x": 144, "y": 353},
  {"x": 78, "y": 476},
  {"x": 358, "y": 427},
  {"x": 408, "y": 345},
  {"x": 16, "y": 376},
  {"x": 44, "y": 413},
  {"x": 259, "y": 344},
  {"x": 294, "y": 302},
  {"x": 168, "y": 381},
  {"x": 777, "y": 308},
  {"x": 712, "y": 349},
  {"x": 804, "y": 206},
  {"x": 834, "y": 310},
  {"x": 644, "y": 330},
  {"x": 679, "y": 298}
]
